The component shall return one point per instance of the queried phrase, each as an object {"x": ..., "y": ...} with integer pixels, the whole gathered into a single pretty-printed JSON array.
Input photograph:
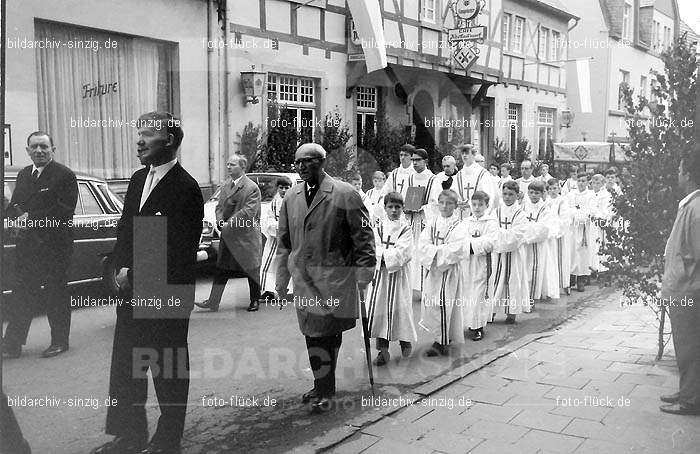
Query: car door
[{"x": 94, "y": 231}]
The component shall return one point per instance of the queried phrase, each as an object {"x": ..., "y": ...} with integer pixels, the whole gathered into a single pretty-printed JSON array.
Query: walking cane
[{"x": 365, "y": 334}]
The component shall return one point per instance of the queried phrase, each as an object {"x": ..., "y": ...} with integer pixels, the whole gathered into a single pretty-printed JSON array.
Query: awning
[{"x": 367, "y": 17}]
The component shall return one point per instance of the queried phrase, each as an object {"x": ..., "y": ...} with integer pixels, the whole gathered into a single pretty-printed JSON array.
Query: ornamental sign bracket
[{"x": 469, "y": 33}]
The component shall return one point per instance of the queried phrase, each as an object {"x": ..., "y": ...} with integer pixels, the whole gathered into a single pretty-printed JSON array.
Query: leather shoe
[
  {"x": 253, "y": 306},
  {"x": 54, "y": 350},
  {"x": 206, "y": 304},
  {"x": 11, "y": 351},
  {"x": 382, "y": 358},
  {"x": 478, "y": 334},
  {"x": 308, "y": 396},
  {"x": 671, "y": 398},
  {"x": 678, "y": 409},
  {"x": 120, "y": 445},
  {"x": 510, "y": 319},
  {"x": 321, "y": 405},
  {"x": 406, "y": 349},
  {"x": 436, "y": 349}
]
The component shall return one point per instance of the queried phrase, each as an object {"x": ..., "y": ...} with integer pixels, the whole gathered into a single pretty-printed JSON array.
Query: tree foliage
[{"x": 646, "y": 209}]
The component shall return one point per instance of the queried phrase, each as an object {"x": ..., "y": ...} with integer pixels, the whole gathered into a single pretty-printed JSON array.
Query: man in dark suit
[
  {"x": 41, "y": 211},
  {"x": 158, "y": 233},
  {"x": 326, "y": 245},
  {"x": 240, "y": 248}
]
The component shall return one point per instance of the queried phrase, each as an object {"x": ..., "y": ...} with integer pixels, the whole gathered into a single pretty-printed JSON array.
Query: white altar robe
[
  {"x": 417, "y": 220},
  {"x": 389, "y": 294},
  {"x": 536, "y": 253},
  {"x": 511, "y": 287},
  {"x": 477, "y": 268},
  {"x": 471, "y": 179},
  {"x": 269, "y": 221},
  {"x": 582, "y": 204},
  {"x": 397, "y": 180},
  {"x": 602, "y": 215},
  {"x": 562, "y": 215},
  {"x": 441, "y": 251}
]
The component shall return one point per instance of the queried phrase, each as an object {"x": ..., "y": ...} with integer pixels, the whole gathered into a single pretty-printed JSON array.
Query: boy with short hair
[
  {"x": 374, "y": 197},
  {"x": 441, "y": 252},
  {"x": 582, "y": 202},
  {"x": 536, "y": 237},
  {"x": 559, "y": 264},
  {"x": 481, "y": 229},
  {"x": 600, "y": 217},
  {"x": 269, "y": 223},
  {"x": 570, "y": 183},
  {"x": 511, "y": 288},
  {"x": 356, "y": 182},
  {"x": 390, "y": 293}
]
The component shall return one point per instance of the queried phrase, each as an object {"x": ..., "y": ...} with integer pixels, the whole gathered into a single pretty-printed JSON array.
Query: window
[
  {"x": 518, "y": 30},
  {"x": 643, "y": 86},
  {"x": 667, "y": 37},
  {"x": 90, "y": 204},
  {"x": 554, "y": 46},
  {"x": 296, "y": 97},
  {"x": 428, "y": 10},
  {"x": 624, "y": 80},
  {"x": 543, "y": 44},
  {"x": 626, "y": 24},
  {"x": 545, "y": 133},
  {"x": 656, "y": 35},
  {"x": 366, "y": 114},
  {"x": 513, "y": 126},
  {"x": 505, "y": 31}
]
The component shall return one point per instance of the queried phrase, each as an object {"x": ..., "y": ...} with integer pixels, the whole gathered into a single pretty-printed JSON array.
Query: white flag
[
  {"x": 583, "y": 71},
  {"x": 368, "y": 22}
]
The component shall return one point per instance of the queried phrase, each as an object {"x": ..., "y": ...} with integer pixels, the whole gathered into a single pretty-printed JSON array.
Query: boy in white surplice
[
  {"x": 441, "y": 251},
  {"x": 482, "y": 228},
  {"x": 390, "y": 294},
  {"x": 269, "y": 221}
]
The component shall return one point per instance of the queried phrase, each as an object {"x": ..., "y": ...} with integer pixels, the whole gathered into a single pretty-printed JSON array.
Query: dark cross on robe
[
  {"x": 506, "y": 223},
  {"x": 400, "y": 185},
  {"x": 469, "y": 189},
  {"x": 388, "y": 242},
  {"x": 439, "y": 238},
  {"x": 530, "y": 218}
]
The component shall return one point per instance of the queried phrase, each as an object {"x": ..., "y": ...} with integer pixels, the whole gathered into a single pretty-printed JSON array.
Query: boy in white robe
[
  {"x": 582, "y": 203},
  {"x": 422, "y": 177},
  {"x": 390, "y": 294},
  {"x": 600, "y": 217},
  {"x": 374, "y": 198},
  {"x": 397, "y": 180},
  {"x": 482, "y": 228},
  {"x": 269, "y": 222},
  {"x": 441, "y": 252},
  {"x": 511, "y": 288},
  {"x": 560, "y": 243},
  {"x": 570, "y": 184},
  {"x": 472, "y": 177},
  {"x": 536, "y": 237}
]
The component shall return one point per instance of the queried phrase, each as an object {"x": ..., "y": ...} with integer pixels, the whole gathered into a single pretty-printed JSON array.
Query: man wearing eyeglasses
[{"x": 326, "y": 245}]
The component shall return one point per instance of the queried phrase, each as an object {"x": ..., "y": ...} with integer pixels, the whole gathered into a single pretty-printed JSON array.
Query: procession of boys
[{"x": 473, "y": 246}]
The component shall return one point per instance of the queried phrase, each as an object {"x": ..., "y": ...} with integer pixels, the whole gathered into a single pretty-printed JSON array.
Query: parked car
[
  {"x": 209, "y": 242},
  {"x": 94, "y": 230}
]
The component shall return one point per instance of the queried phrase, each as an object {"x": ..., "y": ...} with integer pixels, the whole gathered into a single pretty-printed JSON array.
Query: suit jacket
[
  {"x": 682, "y": 255},
  {"x": 51, "y": 199},
  {"x": 238, "y": 217},
  {"x": 326, "y": 249},
  {"x": 178, "y": 199}
]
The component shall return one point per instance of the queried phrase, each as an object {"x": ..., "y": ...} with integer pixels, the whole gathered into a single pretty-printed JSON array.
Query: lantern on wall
[
  {"x": 567, "y": 117},
  {"x": 253, "y": 83}
]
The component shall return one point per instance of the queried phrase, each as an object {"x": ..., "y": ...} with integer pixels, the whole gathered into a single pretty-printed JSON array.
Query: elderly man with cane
[{"x": 326, "y": 245}]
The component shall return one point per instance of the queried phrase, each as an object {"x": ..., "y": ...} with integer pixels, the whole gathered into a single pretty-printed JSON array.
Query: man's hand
[
  {"x": 122, "y": 278},
  {"x": 20, "y": 223}
]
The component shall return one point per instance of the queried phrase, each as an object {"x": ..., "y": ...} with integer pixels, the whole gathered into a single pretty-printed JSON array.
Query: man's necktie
[
  {"x": 35, "y": 174},
  {"x": 147, "y": 187}
]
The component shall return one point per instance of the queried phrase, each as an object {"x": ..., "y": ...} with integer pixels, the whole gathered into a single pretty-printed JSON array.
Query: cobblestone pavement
[
  {"x": 593, "y": 386},
  {"x": 250, "y": 356}
]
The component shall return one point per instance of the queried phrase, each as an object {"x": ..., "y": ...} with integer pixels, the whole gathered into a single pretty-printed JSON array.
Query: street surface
[{"x": 248, "y": 373}]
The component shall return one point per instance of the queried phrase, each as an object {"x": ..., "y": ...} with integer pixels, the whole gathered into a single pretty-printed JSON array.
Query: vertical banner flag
[
  {"x": 583, "y": 71},
  {"x": 368, "y": 22}
]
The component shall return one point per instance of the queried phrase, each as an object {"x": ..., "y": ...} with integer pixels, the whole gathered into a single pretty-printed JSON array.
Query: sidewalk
[{"x": 591, "y": 386}]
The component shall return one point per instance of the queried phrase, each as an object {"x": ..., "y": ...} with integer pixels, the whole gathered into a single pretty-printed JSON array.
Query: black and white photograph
[{"x": 350, "y": 226}]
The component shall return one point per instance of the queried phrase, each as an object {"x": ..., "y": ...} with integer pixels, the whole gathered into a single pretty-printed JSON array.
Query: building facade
[
  {"x": 458, "y": 71},
  {"x": 625, "y": 39}
]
